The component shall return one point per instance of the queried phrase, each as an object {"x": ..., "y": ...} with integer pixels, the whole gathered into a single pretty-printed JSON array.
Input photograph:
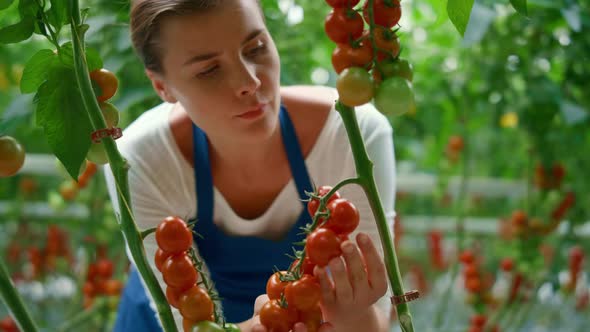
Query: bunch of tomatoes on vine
[{"x": 367, "y": 55}]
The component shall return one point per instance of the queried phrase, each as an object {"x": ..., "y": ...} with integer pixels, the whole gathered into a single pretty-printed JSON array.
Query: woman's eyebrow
[{"x": 207, "y": 56}]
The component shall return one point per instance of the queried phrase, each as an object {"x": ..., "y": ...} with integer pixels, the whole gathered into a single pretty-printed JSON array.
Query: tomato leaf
[
  {"x": 61, "y": 113},
  {"x": 459, "y": 12},
  {"x": 17, "y": 32},
  {"x": 520, "y": 6},
  {"x": 5, "y": 4},
  {"x": 92, "y": 57},
  {"x": 28, "y": 8},
  {"x": 58, "y": 13},
  {"x": 36, "y": 70}
]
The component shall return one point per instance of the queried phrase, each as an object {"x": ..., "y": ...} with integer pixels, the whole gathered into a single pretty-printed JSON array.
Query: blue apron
[{"x": 238, "y": 266}]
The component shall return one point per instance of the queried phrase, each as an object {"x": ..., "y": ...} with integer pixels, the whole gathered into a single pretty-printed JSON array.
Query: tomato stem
[
  {"x": 220, "y": 319},
  {"x": 364, "y": 168},
  {"x": 119, "y": 168},
  {"x": 14, "y": 301}
]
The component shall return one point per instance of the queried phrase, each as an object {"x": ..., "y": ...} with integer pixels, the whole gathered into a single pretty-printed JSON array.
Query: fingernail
[
  {"x": 363, "y": 238},
  {"x": 347, "y": 248}
]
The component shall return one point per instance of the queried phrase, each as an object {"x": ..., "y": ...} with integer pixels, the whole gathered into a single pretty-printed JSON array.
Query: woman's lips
[{"x": 252, "y": 114}]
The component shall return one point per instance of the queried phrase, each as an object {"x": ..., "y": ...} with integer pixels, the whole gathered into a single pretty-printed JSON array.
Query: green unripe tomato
[
  {"x": 355, "y": 86},
  {"x": 207, "y": 326},
  {"x": 395, "y": 96}
]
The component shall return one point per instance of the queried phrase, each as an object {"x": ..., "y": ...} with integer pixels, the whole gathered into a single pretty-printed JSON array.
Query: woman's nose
[{"x": 247, "y": 82}]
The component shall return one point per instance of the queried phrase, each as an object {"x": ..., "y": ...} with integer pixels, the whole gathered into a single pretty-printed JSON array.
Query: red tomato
[
  {"x": 386, "y": 12},
  {"x": 274, "y": 286},
  {"x": 322, "y": 245},
  {"x": 507, "y": 264},
  {"x": 306, "y": 267},
  {"x": 173, "y": 236},
  {"x": 195, "y": 304},
  {"x": 88, "y": 289},
  {"x": 344, "y": 217},
  {"x": 342, "y": 3},
  {"x": 277, "y": 319},
  {"x": 104, "y": 268},
  {"x": 343, "y": 25},
  {"x": 387, "y": 43},
  {"x": 160, "y": 257},
  {"x": 467, "y": 257},
  {"x": 303, "y": 294},
  {"x": 311, "y": 318},
  {"x": 471, "y": 271},
  {"x": 345, "y": 56},
  {"x": 12, "y": 156},
  {"x": 113, "y": 287},
  {"x": 106, "y": 81},
  {"x": 312, "y": 205},
  {"x": 172, "y": 295},
  {"x": 178, "y": 271},
  {"x": 478, "y": 320}
]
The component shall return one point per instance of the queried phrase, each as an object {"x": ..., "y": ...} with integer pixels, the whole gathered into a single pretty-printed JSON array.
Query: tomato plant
[
  {"x": 312, "y": 318},
  {"x": 195, "y": 304},
  {"x": 394, "y": 96},
  {"x": 355, "y": 86},
  {"x": 173, "y": 235},
  {"x": 306, "y": 267},
  {"x": 314, "y": 203},
  {"x": 107, "y": 83},
  {"x": 160, "y": 257},
  {"x": 322, "y": 245},
  {"x": 387, "y": 43},
  {"x": 12, "y": 156},
  {"x": 205, "y": 326}
]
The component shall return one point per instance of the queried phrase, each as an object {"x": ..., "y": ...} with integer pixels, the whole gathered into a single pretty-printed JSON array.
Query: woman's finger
[
  {"x": 342, "y": 286},
  {"x": 326, "y": 327},
  {"x": 374, "y": 262},
  {"x": 328, "y": 297},
  {"x": 356, "y": 268}
]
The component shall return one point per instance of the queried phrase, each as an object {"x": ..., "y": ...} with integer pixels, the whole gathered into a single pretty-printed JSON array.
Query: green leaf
[
  {"x": 5, "y": 4},
  {"x": 28, "y": 8},
  {"x": 61, "y": 113},
  {"x": 36, "y": 70},
  {"x": 459, "y": 12},
  {"x": 17, "y": 32},
  {"x": 93, "y": 58},
  {"x": 58, "y": 13},
  {"x": 520, "y": 6}
]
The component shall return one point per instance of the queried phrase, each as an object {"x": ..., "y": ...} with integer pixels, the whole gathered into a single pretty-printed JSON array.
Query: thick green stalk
[
  {"x": 364, "y": 168},
  {"x": 119, "y": 167},
  {"x": 14, "y": 301}
]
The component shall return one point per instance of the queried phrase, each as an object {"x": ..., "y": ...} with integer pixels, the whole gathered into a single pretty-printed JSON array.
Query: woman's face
[{"x": 223, "y": 67}]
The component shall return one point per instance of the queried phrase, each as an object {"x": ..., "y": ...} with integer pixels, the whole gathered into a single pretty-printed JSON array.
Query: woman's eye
[
  {"x": 208, "y": 72},
  {"x": 259, "y": 49}
]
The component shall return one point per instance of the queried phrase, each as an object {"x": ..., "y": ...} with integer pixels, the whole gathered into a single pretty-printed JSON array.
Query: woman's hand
[
  {"x": 357, "y": 280},
  {"x": 257, "y": 327}
]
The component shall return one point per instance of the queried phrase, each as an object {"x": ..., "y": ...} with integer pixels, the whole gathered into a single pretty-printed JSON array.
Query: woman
[{"x": 232, "y": 149}]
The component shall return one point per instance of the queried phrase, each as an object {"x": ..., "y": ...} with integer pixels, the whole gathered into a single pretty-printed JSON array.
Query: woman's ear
[{"x": 160, "y": 86}]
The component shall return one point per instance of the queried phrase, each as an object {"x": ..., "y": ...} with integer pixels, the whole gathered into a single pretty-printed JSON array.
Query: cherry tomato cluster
[
  {"x": 107, "y": 84},
  {"x": 566, "y": 203},
  {"x": 576, "y": 258},
  {"x": 12, "y": 156},
  {"x": 100, "y": 281},
  {"x": 376, "y": 49},
  {"x": 174, "y": 261},
  {"x": 294, "y": 295},
  {"x": 471, "y": 273},
  {"x": 7, "y": 324},
  {"x": 69, "y": 189},
  {"x": 435, "y": 238},
  {"x": 549, "y": 177}
]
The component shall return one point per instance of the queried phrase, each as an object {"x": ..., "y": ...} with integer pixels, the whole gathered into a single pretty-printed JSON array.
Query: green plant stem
[
  {"x": 119, "y": 168},
  {"x": 364, "y": 168},
  {"x": 13, "y": 301}
]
